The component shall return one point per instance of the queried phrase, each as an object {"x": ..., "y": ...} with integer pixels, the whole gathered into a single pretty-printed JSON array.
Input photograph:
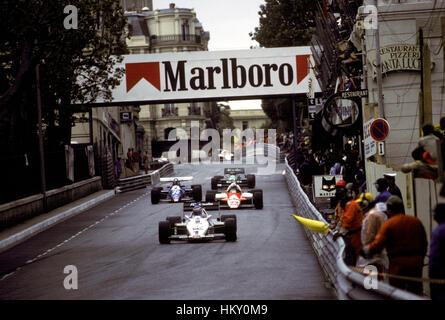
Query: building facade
[
  {"x": 166, "y": 30},
  {"x": 248, "y": 119},
  {"x": 407, "y": 37},
  {"x": 411, "y": 35}
]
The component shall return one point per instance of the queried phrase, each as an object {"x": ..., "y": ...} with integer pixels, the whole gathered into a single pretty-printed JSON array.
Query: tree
[
  {"x": 284, "y": 23},
  {"x": 218, "y": 116},
  {"x": 74, "y": 65},
  {"x": 280, "y": 113},
  {"x": 35, "y": 34}
]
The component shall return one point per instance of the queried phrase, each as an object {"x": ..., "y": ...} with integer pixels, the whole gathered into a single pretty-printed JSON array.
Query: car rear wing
[
  {"x": 171, "y": 179},
  {"x": 234, "y": 171},
  {"x": 208, "y": 206}
]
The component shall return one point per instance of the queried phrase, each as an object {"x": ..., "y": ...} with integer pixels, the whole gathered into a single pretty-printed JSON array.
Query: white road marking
[{"x": 73, "y": 236}]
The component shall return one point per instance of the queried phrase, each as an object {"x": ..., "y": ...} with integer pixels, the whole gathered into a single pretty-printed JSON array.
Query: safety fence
[
  {"x": 348, "y": 284},
  {"x": 144, "y": 180},
  {"x": 267, "y": 150}
]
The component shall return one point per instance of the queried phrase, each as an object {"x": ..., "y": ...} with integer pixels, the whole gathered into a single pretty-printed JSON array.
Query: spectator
[
  {"x": 392, "y": 187},
  {"x": 307, "y": 169},
  {"x": 339, "y": 203},
  {"x": 145, "y": 160},
  {"x": 423, "y": 166},
  {"x": 338, "y": 167},
  {"x": 382, "y": 186},
  {"x": 118, "y": 168},
  {"x": 360, "y": 181},
  {"x": 350, "y": 163},
  {"x": 138, "y": 158},
  {"x": 404, "y": 238},
  {"x": 437, "y": 254},
  {"x": 442, "y": 141},
  {"x": 373, "y": 217},
  {"x": 351, "y": 225},
  {"x": 130, "y": 159},
  {"x": 431, "y": 141}
]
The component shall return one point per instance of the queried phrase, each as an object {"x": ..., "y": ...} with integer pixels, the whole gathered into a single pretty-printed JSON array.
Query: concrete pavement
[{"x": 29, "y": 228}]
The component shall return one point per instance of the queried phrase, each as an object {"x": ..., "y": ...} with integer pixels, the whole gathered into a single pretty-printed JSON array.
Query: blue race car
[{"x": 176, "y": 192}]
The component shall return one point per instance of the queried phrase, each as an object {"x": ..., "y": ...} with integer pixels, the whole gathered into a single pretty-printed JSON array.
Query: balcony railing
[
  {"x": 170, "y": 112},
  {"x": 194, "y": 111},
  {"x": 176, "y": 38}
]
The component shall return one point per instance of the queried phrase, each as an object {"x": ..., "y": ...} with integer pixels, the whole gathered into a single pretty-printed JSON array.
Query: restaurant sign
[{"x": 399, "y": 57}]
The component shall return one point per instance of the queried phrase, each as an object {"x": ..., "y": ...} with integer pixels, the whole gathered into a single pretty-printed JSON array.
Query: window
[
  {"x": 185, "y": 30},
  {"x": 169, "y": 110},
  {"x": 194, "y": 110},
  {"x": 245, "y": 125}
]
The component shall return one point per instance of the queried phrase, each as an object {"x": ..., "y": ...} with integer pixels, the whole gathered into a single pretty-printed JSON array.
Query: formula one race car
[
  {"x": 224, "y": 154},
  {"x": 198, "y": 225},
  {"x": 234, "y": 197},
  {"x": 237, "y": 175},
  {"x": 176, "y": 192}
]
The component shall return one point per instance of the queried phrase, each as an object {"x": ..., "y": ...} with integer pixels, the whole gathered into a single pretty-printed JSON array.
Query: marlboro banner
[{"x": 206, "y": 75}]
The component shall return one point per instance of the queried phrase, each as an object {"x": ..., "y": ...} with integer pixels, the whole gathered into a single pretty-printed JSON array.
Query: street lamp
[{"x": 40, "y": 131}]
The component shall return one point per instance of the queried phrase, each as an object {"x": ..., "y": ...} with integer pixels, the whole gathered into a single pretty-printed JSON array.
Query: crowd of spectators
[{"x": 374, "y": 227}]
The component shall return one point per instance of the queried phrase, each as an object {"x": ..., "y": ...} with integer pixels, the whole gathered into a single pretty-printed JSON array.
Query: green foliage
[
  {"x": 34, "y": 33},
  {"x": 218, "y": 117},
  {"x": 285, "y": 23}
]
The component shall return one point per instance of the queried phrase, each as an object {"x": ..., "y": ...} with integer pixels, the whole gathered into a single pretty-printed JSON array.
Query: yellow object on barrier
[{"x": 313, "y": 225}]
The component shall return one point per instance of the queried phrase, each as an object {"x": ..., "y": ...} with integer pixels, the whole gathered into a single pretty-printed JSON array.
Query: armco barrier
[
  {"x": 263, "y": 149},
  {"x": 348, "y": 284},
  {"x": 144, "y": 180}
]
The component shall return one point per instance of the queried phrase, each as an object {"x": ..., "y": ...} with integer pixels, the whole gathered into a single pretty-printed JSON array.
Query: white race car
[{"x": 198, "y": 225}]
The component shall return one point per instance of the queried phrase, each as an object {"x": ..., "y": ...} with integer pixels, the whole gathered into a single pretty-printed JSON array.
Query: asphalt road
[{"x": 115, "y": 250}]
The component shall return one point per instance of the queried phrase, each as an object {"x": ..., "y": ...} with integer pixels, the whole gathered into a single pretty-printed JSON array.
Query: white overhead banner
[{"x": 201, "y": 75}]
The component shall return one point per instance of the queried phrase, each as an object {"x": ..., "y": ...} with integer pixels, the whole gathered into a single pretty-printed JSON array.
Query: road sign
[
  {"x": 379, "y": 129},
  {"x": 381, "y": 148},
  {"x": 314, "y": 106},
  {"x": 324, "y": 186},
  {"x": 369, "y": 143}
]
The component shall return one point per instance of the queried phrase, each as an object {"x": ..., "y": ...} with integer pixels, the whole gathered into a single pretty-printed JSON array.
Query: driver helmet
[
  {"x": 197, "y": 210},
  {"x": 176, "y": 182}
]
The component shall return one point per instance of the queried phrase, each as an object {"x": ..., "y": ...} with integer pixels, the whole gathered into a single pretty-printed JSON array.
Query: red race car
[{"x": 235, "y": 198}]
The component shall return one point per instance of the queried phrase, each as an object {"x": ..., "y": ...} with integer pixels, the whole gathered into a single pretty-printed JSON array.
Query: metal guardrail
[
  {"x": 144, "y": 180},
  {"x": 263, "y": 149},
  {"x": 348, "y": 284}
]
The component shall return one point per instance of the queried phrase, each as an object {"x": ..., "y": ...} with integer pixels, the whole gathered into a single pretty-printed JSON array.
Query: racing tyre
[
  {"x": 210, "y": 196},
  {"x": 155, "y": 195},
  {"x": 251, "y": 181},
  {"x": 197, "y": 192},
  {"x": 173, "y": 220},
  {"x": 258, "y": 199},
  {"x": 214, "y": 181},
  {"x": 164, "y": 232},
  {"x": 225, "y": 217},
  {"x": 230, "y": 229}
]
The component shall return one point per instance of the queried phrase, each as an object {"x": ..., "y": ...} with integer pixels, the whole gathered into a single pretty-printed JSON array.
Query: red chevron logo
[
  {"x": 147, "y": 70},
  {"x": 302, "y": 67}
]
